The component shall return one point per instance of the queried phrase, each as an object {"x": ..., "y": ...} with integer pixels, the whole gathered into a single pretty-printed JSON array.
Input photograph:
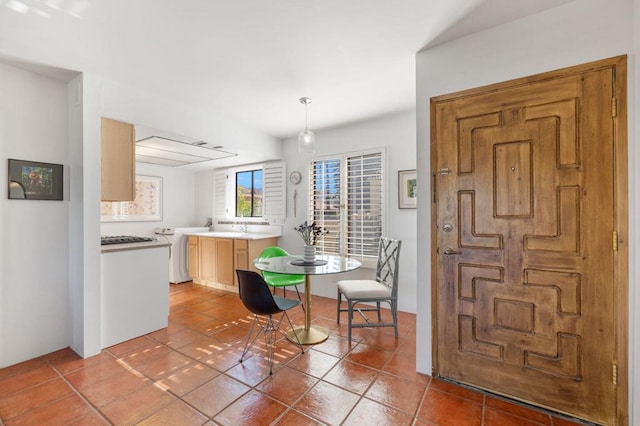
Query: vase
[{"x": 309, "y": 254}]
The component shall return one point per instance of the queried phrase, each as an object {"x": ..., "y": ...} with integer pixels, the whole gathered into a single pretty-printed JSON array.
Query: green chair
[{"x": 280, "y": 280}]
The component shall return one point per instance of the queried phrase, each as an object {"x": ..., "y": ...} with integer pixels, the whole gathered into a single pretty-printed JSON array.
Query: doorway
[{"x": 529, "y": 239}]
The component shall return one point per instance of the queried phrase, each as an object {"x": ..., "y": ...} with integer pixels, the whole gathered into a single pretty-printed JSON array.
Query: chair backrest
[
  {"x": 255, "y": 293},
  {"x": 273, "y": 251},
  {"x": 388, "y": 262}
]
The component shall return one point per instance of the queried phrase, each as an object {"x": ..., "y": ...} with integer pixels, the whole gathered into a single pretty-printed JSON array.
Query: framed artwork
[
  {"x": 407, "y": 195},
  {"x": 147, "y": 206},
  {"x": 32, "y": 180}
]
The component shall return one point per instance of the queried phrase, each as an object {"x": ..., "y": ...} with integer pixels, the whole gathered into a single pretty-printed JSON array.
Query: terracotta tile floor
[{"x": 189, "y": 374}]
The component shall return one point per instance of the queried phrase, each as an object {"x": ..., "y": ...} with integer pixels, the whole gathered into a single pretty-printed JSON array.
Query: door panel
[{"x": 525, "y": 291}]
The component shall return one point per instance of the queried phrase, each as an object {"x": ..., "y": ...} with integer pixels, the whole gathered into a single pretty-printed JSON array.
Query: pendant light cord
[{"x": 305, "y": 116}]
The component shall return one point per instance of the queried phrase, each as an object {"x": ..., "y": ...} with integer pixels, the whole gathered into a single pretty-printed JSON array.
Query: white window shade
[
  {"x": 365, "y": 204},
  {"x": 274, "y": 175},
  {"x": 325, "y": 202},
  {"x": 220, "y": 193},
  {"x": 347, "y": 197}
]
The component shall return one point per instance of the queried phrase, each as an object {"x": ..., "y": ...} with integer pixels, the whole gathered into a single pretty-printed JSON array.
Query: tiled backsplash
[{"x": 235, "y": 225}]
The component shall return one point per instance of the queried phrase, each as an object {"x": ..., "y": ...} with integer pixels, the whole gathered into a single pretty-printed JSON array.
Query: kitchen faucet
[{"x": 242, "y": 227}]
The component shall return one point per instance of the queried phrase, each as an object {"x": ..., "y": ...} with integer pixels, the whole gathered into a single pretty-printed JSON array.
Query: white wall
[
  {"x": 34, "y": 266},
  {"x": 397, "y": 133},
  {"x": 579, "y": 32},
  {"x": 204, "y": 197}
]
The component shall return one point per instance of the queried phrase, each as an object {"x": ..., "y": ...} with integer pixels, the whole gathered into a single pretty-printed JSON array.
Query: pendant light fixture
[{"x": 306, "y": 139}]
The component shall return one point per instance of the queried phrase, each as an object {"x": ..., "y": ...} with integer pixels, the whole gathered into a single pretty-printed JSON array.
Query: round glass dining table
[{"x": 325, "y": 264}]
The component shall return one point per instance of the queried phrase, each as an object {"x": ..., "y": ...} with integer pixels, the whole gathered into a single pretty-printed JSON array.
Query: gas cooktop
[{"x": 123, "y": 239}]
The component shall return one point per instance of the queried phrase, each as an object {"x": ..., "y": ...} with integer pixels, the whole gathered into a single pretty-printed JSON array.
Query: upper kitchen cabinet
[{"x": 118, "y": 160}]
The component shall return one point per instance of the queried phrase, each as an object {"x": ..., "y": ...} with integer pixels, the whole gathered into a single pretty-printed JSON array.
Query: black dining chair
[{"x": 257, "y": 298}]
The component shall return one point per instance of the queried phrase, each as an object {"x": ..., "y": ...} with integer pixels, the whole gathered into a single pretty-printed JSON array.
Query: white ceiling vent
[{"x": 170, "y": 152}]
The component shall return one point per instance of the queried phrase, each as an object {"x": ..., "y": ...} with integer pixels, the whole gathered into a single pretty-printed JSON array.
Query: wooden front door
[{"x": 525, "y": 228}]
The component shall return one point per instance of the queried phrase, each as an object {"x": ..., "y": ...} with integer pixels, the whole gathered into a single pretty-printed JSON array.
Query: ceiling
[{"x": 253, "y": 59}]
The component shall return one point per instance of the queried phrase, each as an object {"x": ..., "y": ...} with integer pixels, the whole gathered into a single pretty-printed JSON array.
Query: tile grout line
[
  {"x": 80, "y": 395},
  {"x": 135, "y": 371},
  {"x": 178, "y": 398},
  {"x": 416, "y": 415}
]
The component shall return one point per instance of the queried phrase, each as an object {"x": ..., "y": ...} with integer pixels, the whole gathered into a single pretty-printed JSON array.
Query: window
[
  {"x": 346, "y": 196},
  {"x": 249, "y": 193}
]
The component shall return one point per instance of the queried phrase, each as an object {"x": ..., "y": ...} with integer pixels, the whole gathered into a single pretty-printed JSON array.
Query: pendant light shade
[{"x": 306, "y": 138}]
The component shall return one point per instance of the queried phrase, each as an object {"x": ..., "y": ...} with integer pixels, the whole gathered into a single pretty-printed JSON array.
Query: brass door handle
[{"x": 449, "y": 251}]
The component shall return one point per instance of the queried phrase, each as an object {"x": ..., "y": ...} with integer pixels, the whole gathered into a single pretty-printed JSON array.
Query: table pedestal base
[{"x": 315, "y": 334}]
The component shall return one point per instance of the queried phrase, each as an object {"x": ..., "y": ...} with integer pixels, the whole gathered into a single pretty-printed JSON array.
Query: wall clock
[{"x": 295, "y": 177}]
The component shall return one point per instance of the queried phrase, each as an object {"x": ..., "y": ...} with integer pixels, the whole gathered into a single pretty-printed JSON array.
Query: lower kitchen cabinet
[
  {"x": 194, "y": 257},
  {"x": 225, "y": 268},
  {"x": 207, "y": 253},
  {"x": 213, "y": 261},
  {"x": 240, "y": 257}
]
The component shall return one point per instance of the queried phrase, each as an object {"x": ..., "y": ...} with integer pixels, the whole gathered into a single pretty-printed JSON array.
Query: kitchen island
[{"x": 134, "y": 290}]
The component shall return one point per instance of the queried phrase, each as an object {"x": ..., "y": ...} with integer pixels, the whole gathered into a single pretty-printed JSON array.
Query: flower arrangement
[{"x": 311, "y": 233}]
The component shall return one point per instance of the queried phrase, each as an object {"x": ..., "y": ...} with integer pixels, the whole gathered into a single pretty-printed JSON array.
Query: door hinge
[
  {"x": 614, "y": 373},
  {"x": 614, "y": 107},
  {"x": 615, "y": 240}
]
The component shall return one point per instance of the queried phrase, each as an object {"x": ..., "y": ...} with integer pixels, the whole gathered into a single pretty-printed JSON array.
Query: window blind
[
  {"x": 325, "y": 202},
  {"x": 346, "y": 196},
  {"x": 364, "y": 204},
  {"x": 220, "y": 194}
]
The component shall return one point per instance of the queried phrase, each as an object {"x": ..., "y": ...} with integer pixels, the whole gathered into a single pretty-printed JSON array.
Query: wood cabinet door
[
  {"x": 225, "y": 271},
  {"x": 208, "y": 263},
  {"x": 241, "y": 257},
  {"x": 194, "y": 257},
  {"x": 117, "y": 142},
  {"x": 524, "y": 212}
]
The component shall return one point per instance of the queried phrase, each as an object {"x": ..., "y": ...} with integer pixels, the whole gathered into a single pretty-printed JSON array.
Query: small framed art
[
  {"x": 407, "y": 195},
  {"x": 32, "y": 180}
]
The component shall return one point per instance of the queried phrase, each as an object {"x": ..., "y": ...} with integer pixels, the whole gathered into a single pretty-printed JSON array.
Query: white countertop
[
  {"x": 133, "y": 246},
  {"x": 235, "y": 235}
]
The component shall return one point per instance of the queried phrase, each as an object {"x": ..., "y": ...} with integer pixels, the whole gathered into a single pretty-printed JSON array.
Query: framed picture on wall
[
  {"x": 147, "y": 207},
  {"x": 407, "y": 195},
  {"x": 32, "y": 180}
]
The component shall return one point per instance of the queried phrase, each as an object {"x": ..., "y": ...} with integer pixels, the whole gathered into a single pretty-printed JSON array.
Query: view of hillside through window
[{"x": 249, "y": 193}]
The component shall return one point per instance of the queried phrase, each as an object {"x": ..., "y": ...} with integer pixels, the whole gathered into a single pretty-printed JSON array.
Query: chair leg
[
  {"x": 339, "y": 300},
  {"x": 248, "y": 346},
  {"x": 268, "y": 337},
  {"x": 379, "y": 317},
  {"x": 297, "y": 338},
  {"x": 350, "y": 317},
  {"x": 394, "y": 313}
]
